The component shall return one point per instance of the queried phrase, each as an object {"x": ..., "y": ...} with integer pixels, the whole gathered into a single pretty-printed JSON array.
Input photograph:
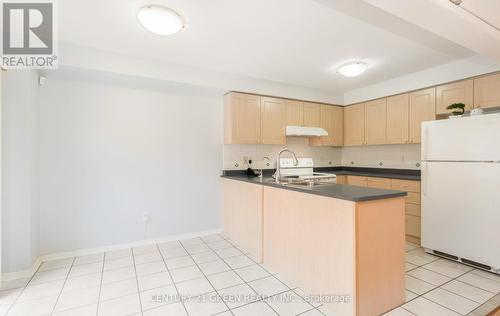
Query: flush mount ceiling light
[
  {"x": 160, "y": 20},
  {"x": 352, "y": 69}
]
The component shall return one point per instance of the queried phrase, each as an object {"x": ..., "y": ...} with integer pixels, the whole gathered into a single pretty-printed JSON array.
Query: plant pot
[{"x": 455, "y": 116}]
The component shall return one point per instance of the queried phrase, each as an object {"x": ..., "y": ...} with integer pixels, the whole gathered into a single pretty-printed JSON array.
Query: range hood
[{"x": 292, "y": 130}]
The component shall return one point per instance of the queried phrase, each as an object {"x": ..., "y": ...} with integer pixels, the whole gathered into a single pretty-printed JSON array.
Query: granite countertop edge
[{"x": 337, "y": 191}]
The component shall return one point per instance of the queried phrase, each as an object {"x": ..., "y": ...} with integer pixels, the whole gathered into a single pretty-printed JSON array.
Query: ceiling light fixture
[
  {"x": 352, "y": 69},
  {"x": 160, "y": 20}
]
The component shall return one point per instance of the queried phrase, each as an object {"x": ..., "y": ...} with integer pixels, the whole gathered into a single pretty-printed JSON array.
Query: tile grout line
[
  {"x": 100, "y": 284},
  {"x": 406, "y": 310},
  {"x": 121, "y": 296},
  {"x": 476, "y": 287},
  {"x": 270, "y": 275},
  {"x": 64, "y": 283},
  {"x": 26, "y": 285},
  {"x": 440, "y": 287},
  {"x": 242, "y": 253},
  {"x": 216, "y": 291},
  {"x": 171, "y": 278},
  {"x": 137, "y": 280},
  {"x": 437, "y": 287},
  {"x": 459, "y": 294}
]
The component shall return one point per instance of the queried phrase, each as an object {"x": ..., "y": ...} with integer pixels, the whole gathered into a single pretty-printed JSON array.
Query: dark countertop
[
  {"x": 337, "y": 191},
  {"x": 403, "y": 174}
]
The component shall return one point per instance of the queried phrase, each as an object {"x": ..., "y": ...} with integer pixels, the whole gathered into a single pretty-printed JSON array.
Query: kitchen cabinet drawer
[
  {"x": 381, "y": 183},
  {"x": 405, "y": 185},
  {"x": 413, "y": 225},
  {"x": 412, "y": 209},
  {"x": 413, "y": 198},
  {"x": 356, "y": 180},
  {"x": 341, "y": 179}
]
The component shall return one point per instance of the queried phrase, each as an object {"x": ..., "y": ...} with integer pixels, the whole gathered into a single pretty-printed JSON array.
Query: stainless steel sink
[{"x": 305, "y": 183}]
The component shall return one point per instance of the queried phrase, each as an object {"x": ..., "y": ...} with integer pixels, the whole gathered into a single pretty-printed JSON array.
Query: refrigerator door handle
[
  {"x": 424, "y": 142},
  {"x": 424, "y": 178}
]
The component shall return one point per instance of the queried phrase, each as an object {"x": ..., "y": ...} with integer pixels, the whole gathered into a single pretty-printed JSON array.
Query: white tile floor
[{"x": 172, "y": 279}]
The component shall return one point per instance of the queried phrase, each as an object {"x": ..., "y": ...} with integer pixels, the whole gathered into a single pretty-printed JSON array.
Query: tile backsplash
[
  {"x": 233, "y": 155},
  {"x": 383, "y": 156}
]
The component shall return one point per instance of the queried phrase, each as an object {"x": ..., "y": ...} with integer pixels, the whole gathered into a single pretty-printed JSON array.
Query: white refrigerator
[{"x": 461, "y": 189}]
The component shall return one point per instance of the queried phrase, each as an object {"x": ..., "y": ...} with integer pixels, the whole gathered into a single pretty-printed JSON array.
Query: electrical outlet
[{"x": 145, "y": 217}]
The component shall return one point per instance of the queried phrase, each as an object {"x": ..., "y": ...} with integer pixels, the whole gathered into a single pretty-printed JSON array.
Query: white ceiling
[
  {"x": 488, "y": 10},
  {"x": 299, "y": 42}
]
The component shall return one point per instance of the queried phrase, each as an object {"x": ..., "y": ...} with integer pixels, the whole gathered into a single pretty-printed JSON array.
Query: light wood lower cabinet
[
  {"x": 357, "y": 181},
  {"x": 273, "y": 121},
  {"x": 331, "y": 246},
  {"x": 242, "y": 214},
  {"x": 412, "y": 200},
  {"x": 381, "y": 183},
  {"x": 406, "y": 185},
  {"x": 341, "y": 179},
  {"x": 413, "y": 226},
  {"x": 412, "y": 207}
]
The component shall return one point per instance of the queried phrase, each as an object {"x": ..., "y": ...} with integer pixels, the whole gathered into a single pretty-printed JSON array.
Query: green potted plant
[{"x": 458, "y": 109}]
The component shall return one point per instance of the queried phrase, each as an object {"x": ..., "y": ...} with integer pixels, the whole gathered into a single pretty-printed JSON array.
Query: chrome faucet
[
  {"x": 277, "y": 175},
  {"x": 262, "y": 167}
]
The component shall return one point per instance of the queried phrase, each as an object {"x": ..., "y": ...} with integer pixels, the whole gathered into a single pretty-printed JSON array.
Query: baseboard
[
  {"x": 88, "y": 251},
  {"x": 28, "y": 273}
]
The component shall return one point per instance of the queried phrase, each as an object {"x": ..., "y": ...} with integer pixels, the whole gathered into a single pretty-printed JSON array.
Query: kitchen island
[{"x": 344, "y": 244}]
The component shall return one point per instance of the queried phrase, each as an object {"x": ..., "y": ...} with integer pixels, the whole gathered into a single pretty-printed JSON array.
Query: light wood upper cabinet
[
  {"x": 241, "y": 118},
  {"x": 456, "y": 92},
  {"x": 337, "y": 128},
  {"x": 331, "y": 120},
  {"x": 397, "y": 119},
  {"x": 422, "y": 108},
  {"x": 273, "y": 121},
  {"x": 312, "y": 114},
  {"x": 487, "y": 91},
  {"x": 375, "y": 122},
  {"x": 354, "y": 125},
  {"x": 294, "y": 113}
]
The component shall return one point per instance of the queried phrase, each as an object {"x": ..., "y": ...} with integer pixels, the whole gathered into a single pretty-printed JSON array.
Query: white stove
[{"x": 303, "y": 173}]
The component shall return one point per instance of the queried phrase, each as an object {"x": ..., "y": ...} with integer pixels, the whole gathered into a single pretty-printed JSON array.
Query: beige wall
[
  {"x": 323, "y": 156},
  {"x": 392, "y": 156}
]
